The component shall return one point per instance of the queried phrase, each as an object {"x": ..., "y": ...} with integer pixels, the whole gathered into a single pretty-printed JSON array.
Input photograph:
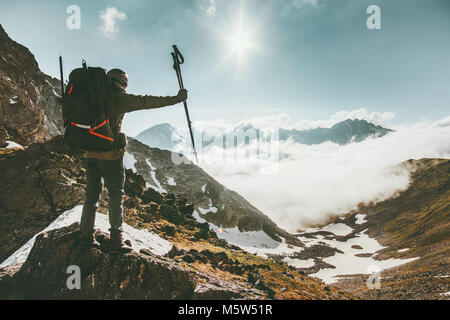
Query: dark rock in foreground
[
  {"x": 103, "y": 276},
  {"x": 46, "y": 274}
]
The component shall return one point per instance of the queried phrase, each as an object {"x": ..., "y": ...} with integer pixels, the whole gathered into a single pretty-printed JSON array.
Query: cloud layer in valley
[{"x": 313, "y": 182}]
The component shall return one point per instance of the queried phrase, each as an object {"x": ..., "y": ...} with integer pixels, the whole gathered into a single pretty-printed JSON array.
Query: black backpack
[{"x": 84, "y": 104}]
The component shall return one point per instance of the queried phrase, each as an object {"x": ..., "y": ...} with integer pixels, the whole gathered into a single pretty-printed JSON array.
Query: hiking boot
[
  {"x": 88, "y": 241},
  {"x": 116, "y": 244}
]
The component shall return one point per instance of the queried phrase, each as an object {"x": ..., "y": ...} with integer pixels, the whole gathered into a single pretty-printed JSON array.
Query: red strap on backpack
[{"x": 92, "y": 131}]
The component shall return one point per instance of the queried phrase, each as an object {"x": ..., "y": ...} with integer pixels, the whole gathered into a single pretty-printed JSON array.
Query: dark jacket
[{"x": 118, "y": 103}]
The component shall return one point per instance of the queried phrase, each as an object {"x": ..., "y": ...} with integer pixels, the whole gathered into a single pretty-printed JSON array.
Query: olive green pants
[{"x": 113, "y": 174}]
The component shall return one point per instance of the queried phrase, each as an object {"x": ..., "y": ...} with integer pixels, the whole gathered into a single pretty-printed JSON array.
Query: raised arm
[{"x": 131, "y": 102}]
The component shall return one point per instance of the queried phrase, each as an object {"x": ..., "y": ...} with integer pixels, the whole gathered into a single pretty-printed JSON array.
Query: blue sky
[{"x": 306, "y": 58}]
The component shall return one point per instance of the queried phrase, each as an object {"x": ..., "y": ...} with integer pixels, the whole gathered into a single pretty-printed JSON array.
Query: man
[{"x": 109, "y": 165}]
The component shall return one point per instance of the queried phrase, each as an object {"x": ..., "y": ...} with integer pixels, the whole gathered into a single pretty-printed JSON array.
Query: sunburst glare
[{"x": 240, "y": 42}]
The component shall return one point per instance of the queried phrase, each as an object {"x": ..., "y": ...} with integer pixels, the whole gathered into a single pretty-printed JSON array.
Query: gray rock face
[
  {"x": 38, "y": 184},
  {"x": 29, "y": 107}
]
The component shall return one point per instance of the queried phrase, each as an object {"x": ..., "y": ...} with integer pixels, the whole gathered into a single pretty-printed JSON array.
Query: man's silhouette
[{"x": 109, "y": 165}]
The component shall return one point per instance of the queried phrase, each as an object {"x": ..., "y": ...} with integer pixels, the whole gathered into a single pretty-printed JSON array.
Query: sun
[{"x": 240, "y": 41}]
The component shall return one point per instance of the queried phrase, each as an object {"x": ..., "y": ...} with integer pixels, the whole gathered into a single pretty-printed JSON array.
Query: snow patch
[
  {"x": 204, "y": 188},
  {"x": 403, "y": 250},
  {"x": 159, "y": 187},
  {"x": 348, "y": 262},
  {"x": 150, "y": 164},
  {"x": 361, "y": 218},
  {"x": 210, "y": 209},
  {"x": 255, "y": 242},
  {"x": 338, "y": 229},
  {"x": 253, "y": 239},
  {"x": 129, "y": 161},
  {"x": 12, "y": 144},
  {"x": 140, "y": 239},
  {"x": 301, "y": 264},
  {"x": 171, "y": 181},
  {"x": 12, "y": 101}
]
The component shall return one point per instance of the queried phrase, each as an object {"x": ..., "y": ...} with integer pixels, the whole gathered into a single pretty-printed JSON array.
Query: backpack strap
[{"x": 92, "y": 96}]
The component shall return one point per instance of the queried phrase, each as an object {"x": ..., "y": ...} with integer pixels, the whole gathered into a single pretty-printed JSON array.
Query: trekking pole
[
  {"x": 177, "y": 60},
  {"x": 62, "y": 76},
  {"x": 62, "y": 99}
]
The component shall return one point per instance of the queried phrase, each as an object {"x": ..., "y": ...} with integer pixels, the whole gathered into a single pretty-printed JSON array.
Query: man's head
[{"x": 118, "y": 78}]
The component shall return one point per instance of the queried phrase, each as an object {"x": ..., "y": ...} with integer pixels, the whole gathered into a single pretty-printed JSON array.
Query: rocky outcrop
[
  {"x": 38, "y": 184},
  {"x": 47, "y": 271},
  {"x": 29, "y": 103}
]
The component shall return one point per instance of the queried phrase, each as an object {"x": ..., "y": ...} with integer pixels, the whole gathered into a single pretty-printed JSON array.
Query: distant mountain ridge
[
  {"x": 341, "y": 133},
  {"x": 164, "y": 136}
]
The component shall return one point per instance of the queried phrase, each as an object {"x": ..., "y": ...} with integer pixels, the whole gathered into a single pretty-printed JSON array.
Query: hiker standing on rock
[{"x": 105, "y": 156}]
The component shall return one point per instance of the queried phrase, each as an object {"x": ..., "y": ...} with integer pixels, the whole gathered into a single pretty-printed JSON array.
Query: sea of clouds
[{"x": 308, "y": 184}]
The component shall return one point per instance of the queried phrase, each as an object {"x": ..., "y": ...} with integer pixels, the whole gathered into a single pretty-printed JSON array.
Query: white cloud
[
  {"x": 314, "y": 182},
  {"x": 442, "y": 123},
  {"x": 209, "y": 125},
  {"x": 211, "y": 10},
  {"x": 281, "y": 120},
  {"x": 301, "y": 3},
  {"x": 110, "y": 17}
]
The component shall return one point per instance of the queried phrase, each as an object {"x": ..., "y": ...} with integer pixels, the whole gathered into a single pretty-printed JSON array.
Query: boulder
[
  {"x": 134, "y": 184},
  {"x": 45, "y": 273},
  {"x": 151, "y": 195},
  {"x": 170, "y": 213}
]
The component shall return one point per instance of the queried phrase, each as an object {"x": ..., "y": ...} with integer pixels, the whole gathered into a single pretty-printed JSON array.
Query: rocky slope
[
  {"x": 29, "y": 108},
  {"x": 199, "y": 265},
  {"x": 212, "y": 201},
  {"x": 405, "y": 238},
  {"x": 416, "y": 223},
  {"x": 38, "y": 184}
]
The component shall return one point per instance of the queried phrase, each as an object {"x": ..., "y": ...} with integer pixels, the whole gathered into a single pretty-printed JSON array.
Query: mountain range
[{"x": 164, "y": 136}]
